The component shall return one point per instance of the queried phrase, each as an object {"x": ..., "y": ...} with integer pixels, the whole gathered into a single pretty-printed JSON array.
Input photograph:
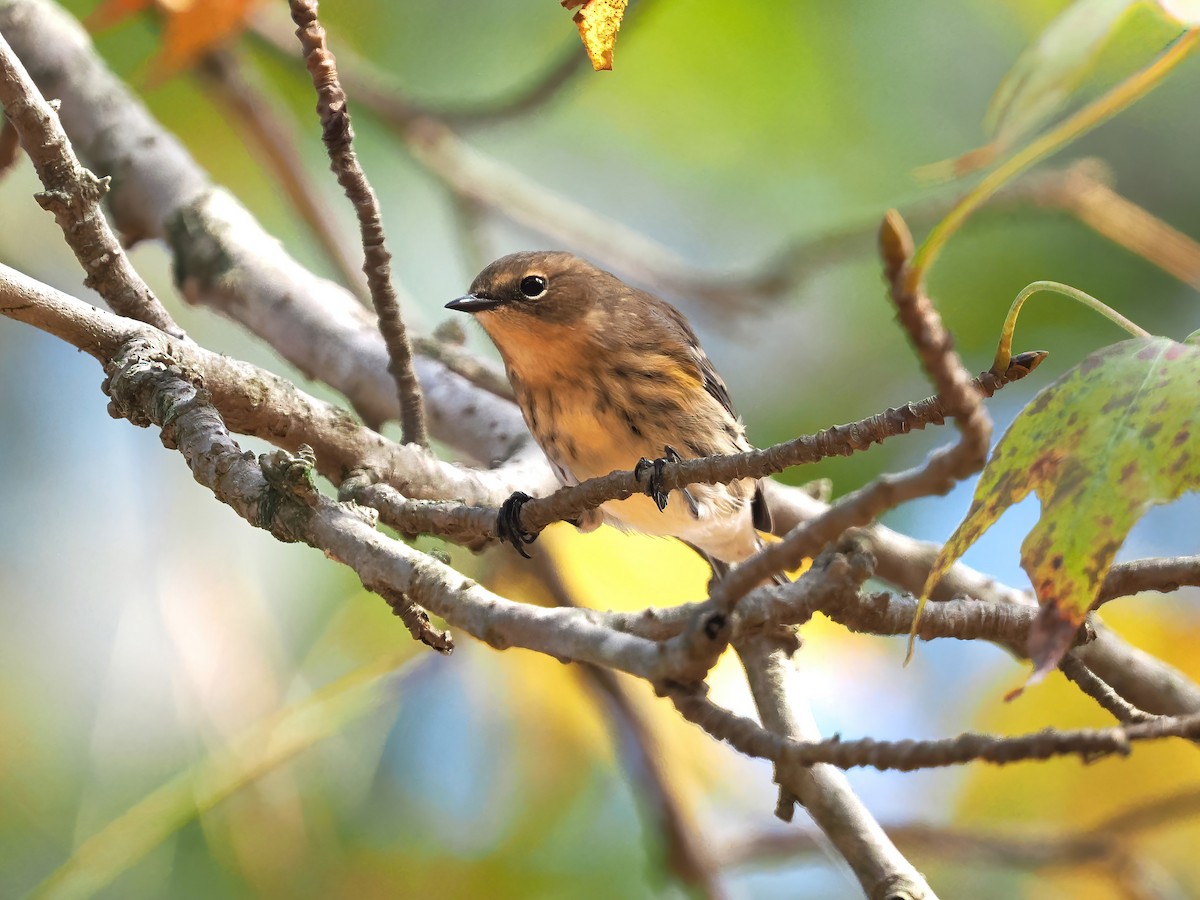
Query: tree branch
[
  {"x": 1087, "y": 681},
  {"x": 823, "y": 791},
  {"x": 338, "y": 135},
  {"x": 234, "y": 85},
  {"x": 750, "y": 738},
  {"x": 259, "y": 403},
  {"x": 1144, "y": 680},
  {"x": 1163, "y": 574},
  {"x": 222, "y": 257},
  {"x": 73, "y": 195},
  {"x": 475, "y": 528}
]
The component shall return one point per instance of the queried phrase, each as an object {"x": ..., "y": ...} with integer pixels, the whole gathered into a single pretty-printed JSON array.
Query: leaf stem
[{"x": 1004, "y": 348}]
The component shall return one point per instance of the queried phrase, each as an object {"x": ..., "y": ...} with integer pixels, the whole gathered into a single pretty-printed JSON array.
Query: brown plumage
[{"x": 605, "y": 375}]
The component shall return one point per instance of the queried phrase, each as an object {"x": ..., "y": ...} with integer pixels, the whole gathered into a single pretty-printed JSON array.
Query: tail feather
[{"x": 720, "y": 568}]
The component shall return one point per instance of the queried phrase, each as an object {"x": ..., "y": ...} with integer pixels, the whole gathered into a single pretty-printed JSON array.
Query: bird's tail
[{"x": 720, "y": 568}]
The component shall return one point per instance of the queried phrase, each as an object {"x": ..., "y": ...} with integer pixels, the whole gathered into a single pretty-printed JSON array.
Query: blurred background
[{"x": 236, "y": 717}]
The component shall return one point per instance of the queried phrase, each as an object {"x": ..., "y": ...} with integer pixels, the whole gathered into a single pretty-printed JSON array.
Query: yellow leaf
[{"x": 598, "y": 23}]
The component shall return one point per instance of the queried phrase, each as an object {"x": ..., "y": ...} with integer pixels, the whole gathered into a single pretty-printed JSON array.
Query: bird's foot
[
  {"x": 653, "y": 472},
  {"x": 508, "y": 523}
]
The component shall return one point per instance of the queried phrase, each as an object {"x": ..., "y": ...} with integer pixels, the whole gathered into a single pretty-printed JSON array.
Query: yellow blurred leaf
[{"x": 1065, "y": 796}]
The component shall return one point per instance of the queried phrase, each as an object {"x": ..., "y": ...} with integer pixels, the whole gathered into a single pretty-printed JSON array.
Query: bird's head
[{"x": 536, "y": 288}]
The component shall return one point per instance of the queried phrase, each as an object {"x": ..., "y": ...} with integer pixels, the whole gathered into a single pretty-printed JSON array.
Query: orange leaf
[{"x": 192, "y": 27}]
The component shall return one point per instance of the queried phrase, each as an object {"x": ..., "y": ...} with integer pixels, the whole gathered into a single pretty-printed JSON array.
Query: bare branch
[
  {"x": 1087, "y": 681},
  {"x": 416, "y": 620},
  {"x": 1142, "y": 679},
  {"x": 338, "y": 135},
  {"x": 822, "y": 790},
  {"x": 73, "y": 195},
  {"x": 1165, "y": 574},
  {"x": 1089, "y": 744},
  {"x": 446, "y": 346},
  {"x": 223, "y": 259},
  {"x": 474, "y": 528},
  {"x": 256, "y": 402},
  {"x": 10, "y": 145}
]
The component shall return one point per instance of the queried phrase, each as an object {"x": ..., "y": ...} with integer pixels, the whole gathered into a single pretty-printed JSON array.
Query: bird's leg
[
  {"x": 508, "y": 523},
  {"x": 654, "y": 478}
]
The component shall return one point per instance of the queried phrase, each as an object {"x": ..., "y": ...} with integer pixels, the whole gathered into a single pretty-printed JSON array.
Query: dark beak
[{"x": 472, "y": 304}]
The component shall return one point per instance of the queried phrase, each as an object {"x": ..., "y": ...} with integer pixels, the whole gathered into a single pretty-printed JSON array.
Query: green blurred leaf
[
  {"x": 1114, "y": 436},
  {"x": 1051, "y": 68},
  {"x": 128, "y": 838}
]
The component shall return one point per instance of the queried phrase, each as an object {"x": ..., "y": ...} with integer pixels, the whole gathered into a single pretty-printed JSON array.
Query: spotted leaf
[{"x": 1116, "y": 435}]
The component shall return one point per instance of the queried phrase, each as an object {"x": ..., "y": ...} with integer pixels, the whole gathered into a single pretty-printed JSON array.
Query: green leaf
[
  {"x": 1116, "y": 435},
  {"x": 1051, "y": 68}
]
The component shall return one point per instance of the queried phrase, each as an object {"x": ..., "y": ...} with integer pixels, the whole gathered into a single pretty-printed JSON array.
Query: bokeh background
[{"x": 150, "y": 639}]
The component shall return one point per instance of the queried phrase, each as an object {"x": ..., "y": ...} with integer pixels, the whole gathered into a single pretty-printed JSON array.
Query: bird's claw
[
  {"x": 654, "y": 489},
  {"x": 508, "y": 523}
]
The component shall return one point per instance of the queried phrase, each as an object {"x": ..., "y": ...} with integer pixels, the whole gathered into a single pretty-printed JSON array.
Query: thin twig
[
  {"x": 960, "y": 398},
  {"x": 451, "y": 354},
  {"x": 235, "y": 86},
  {"x": 416, "y": 620},
  {"x": 752, "y": 739},
  {"x": 1087, "y": 681},
  {"x": 73, "y": 195},
  {"x": 338, "y": 136},
  {"x": 839, "y": 440}
]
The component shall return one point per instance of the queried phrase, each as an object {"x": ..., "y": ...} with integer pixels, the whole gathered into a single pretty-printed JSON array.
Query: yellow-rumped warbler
[{"x": 607, "y": 377}]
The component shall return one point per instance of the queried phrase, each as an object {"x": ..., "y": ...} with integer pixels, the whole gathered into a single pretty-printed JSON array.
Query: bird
[{"x": 609, "y": 377}]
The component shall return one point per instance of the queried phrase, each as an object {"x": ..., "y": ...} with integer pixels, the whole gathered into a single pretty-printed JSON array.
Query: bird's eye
[{"x": 533, "y": 286}]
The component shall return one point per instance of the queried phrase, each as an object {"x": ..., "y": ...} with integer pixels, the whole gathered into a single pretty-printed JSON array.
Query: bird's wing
[{"x": 715, "y": 385}]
